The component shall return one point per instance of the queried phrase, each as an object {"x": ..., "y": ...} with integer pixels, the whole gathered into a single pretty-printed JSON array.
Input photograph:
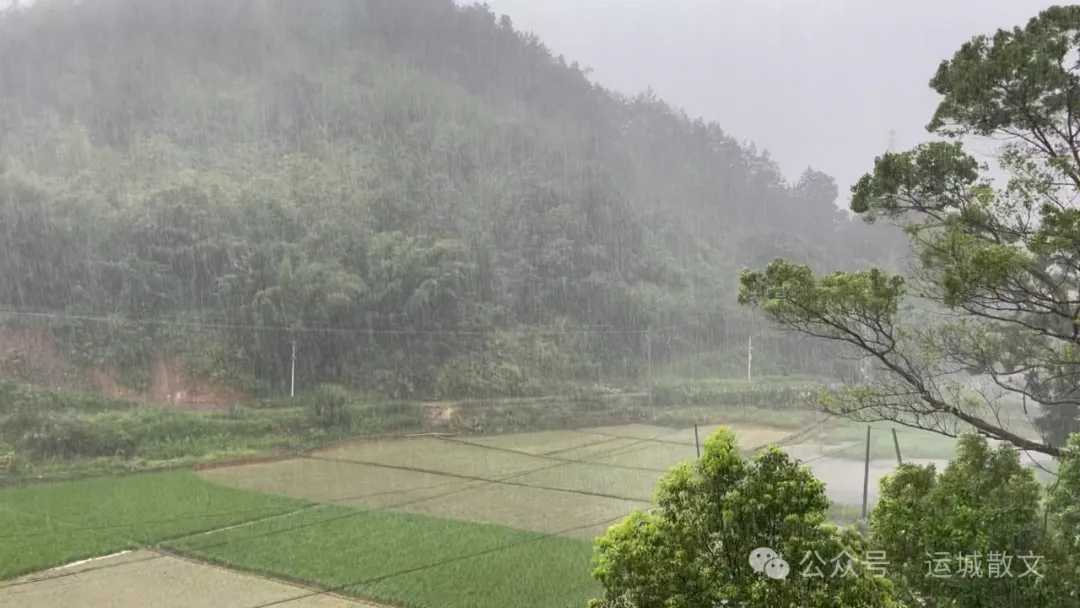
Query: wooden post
[
  {"x": 697, "y": 441},
  {"x": 866, "y": 476},
  {"x": 896, "y": 444}
]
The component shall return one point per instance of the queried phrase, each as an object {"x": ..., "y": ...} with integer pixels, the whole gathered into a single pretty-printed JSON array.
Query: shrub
[
  {"x": 328, "y": 404},
  {"x": 471, "y": 378},
  {"x": 763, "y": 394},
  {"x": 984, "y": 503},
  {"x": 1064, "y": 506},
  {"x": 9, "y": 462},
  {"x": 60, "y": 435},
  {"x": 388, "y": 417},
  {"x": 714, "y": 514},
  {"x": 15, "y": 398}
]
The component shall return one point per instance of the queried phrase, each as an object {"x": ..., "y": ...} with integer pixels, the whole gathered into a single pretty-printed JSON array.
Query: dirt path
[{"x": 147, "y": 579}]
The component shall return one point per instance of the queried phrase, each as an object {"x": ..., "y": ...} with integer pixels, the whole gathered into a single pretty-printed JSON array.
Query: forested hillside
[{"x": 422, "y": 197}]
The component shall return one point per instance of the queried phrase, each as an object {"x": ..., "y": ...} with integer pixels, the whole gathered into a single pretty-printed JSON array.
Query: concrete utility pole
[
  {"x": 292, "y": 371},
  {"x": 648, "y": 357},
  {"x": 750, "y": 358}
]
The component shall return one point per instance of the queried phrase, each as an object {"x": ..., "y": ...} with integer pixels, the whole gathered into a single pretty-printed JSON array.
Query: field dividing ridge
[
  {"x": 395, "y": 557},
  {"x": 146, "y": 578}
]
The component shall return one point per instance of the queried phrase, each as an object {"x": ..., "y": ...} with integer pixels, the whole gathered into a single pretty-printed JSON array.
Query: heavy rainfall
[{"x": 573, "y": 303}]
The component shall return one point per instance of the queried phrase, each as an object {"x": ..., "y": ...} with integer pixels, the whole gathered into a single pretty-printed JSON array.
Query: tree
[
  {"x": 315, "y": 293},
  {"x": 972, "y": 536},
  {"x": 713, "y": 519},
  {"x": 994, "y": 290},
  {"x": 158, "y": 167},
  {"x": 1064, "y": 510}
]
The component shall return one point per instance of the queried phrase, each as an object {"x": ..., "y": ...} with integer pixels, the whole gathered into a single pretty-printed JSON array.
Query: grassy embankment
[{"x": 49, "y": 434}]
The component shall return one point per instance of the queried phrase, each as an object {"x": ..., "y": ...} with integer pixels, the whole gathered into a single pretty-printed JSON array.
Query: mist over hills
[{"x": 280, "y": 171}]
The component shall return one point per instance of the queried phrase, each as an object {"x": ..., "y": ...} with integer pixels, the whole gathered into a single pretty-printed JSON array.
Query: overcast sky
[{"x": 818, "y": 83}]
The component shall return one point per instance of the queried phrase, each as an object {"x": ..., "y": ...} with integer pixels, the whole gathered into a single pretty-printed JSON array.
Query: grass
[
  {"x": 51, "y": 524},
  {"x": 407, "y": 559},
  {"x": 404, "y": 537},
  {"x": 446, "y": 479},
  {"x": 50, "y": 434},
  {"x": 771, "y": 392},
  {"x": 593, "y": 474},
  {"x": 688, "y": 415},
  {"x": 435, "y": 455},
  {"x": 534, "y": 545},
  {"x": 913, "y": 443}
]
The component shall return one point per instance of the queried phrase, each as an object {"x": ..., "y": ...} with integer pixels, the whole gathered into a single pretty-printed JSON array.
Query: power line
[{"x": 119, "y": 321}]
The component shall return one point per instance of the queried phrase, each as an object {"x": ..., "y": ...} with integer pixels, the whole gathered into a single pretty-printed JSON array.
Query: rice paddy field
[
  {"x": 146, "y": 578},
  {"x": 449, "y": 521},
  {"x": 571, "y": 483}
]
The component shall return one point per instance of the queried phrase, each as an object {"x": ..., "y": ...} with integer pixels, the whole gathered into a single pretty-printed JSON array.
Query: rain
[{"x": 603, "y": 304}]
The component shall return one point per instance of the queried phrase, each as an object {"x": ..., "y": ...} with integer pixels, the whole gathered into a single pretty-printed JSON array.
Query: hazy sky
[{"x": 817, "y": 82}]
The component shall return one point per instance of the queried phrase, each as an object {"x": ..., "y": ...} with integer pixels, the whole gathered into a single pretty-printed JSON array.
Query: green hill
[{"x": 421, "y": 196}]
